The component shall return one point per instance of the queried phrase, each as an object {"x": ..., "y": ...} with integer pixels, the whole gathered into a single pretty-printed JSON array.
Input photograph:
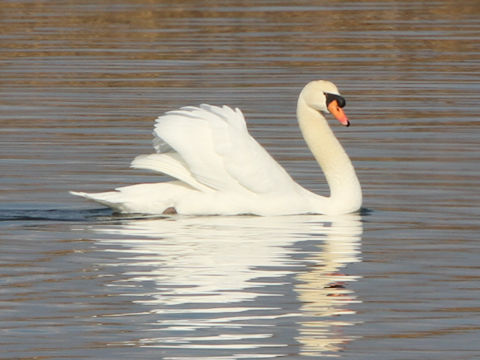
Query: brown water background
[{"x": 81, "y": 83}]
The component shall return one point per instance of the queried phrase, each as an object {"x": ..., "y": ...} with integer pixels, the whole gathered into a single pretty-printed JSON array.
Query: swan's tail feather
[
  {"x": 112, "y": 199},
  {"x": 142, "y": 198}
]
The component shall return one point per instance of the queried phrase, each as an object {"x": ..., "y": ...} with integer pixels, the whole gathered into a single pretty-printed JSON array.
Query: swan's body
[{"x": 220, "y": 169}]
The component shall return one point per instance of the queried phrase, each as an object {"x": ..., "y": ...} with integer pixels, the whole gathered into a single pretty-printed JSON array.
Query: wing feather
[
  {"x": 216, "y": 147},
  {"x": 170, "y": 164}
]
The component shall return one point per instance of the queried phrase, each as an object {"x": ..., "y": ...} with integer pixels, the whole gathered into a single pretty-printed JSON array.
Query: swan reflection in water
[{"x": 245, "y": 285}]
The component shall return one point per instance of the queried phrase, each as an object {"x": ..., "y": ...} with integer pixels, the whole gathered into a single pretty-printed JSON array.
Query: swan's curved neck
[{"x": 345, "y": 191}]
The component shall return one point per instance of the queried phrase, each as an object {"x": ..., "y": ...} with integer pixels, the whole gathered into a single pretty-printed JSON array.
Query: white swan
[{"x": 220, "y": 169}]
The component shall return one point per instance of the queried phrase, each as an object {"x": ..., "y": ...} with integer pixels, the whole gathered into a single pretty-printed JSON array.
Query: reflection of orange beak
[{"x": 337, "y": 111}]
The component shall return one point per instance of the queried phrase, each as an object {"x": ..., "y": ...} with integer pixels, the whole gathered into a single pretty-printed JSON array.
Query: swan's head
[{"x": 324, "y": 96}]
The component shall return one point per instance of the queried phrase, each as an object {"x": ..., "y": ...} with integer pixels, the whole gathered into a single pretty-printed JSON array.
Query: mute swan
[{"x": 220, "y": 169}]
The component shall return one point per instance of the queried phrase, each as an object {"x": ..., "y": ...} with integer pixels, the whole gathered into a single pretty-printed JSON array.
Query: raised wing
[{"x": 217, "y": 149}]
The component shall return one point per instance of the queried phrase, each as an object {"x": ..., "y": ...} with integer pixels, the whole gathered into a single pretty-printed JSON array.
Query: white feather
[
  {"x": 218, "y": 150},
  {"x": 170, "y": 164},
  {"x": 221, "y": 169}
]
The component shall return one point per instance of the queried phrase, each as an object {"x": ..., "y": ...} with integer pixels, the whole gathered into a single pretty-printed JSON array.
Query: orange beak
[{"x": 337, "y": 111}]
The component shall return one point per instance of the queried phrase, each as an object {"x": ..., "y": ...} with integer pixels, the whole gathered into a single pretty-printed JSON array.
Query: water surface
[{"x": 80, "y": 87}]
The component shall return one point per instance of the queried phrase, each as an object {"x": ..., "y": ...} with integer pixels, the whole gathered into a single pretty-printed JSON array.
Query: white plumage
[{"x": 221, "y": 169}]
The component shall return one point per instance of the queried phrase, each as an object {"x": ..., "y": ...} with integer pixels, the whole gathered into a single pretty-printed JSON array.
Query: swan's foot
[{"x": 170, "y": 211}]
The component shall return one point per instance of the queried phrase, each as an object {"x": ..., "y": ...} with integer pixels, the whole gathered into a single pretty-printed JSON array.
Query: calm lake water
[{"x": 80, "y": 86}]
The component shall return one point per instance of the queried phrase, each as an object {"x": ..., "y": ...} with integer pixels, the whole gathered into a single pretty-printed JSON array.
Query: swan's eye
[{"x": 340, "y": 100}]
